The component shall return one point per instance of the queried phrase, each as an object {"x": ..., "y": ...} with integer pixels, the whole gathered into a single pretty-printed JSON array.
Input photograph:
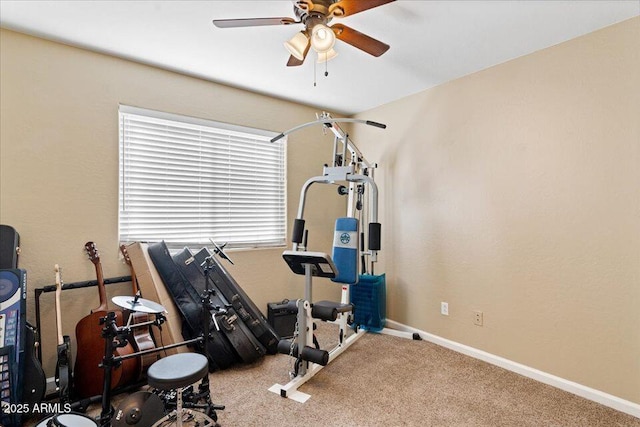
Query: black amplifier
[{"x": 282, "y": 317}]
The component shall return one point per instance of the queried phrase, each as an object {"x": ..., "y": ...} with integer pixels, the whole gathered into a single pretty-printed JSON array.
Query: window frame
[{"x": 237, "y": 135}]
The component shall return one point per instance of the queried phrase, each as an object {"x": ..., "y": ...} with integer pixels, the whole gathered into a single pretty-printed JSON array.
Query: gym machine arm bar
[
  {"x": 327, "y": 122},
  {"x": 374, "y": 225},
  {"x": 348, "y": 178}
]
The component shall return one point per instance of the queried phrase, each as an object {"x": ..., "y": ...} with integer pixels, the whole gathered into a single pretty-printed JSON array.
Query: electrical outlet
[
  {"x": 477, "y": 318},
  {"x": 444, "y": 308}
]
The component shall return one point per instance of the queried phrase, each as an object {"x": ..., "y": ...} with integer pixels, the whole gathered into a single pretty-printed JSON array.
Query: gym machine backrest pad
[{"x": 345, "y": 250}]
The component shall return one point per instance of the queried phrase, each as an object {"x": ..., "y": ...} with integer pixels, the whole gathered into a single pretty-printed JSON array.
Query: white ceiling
[{"x": 431, "y": 41}]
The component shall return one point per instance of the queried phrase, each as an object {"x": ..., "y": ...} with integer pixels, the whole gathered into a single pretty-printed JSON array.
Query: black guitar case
[
  {"x": 244, "y": 306},
  {"x": 9, "y": 247},
  {"x": 219, "y": 352},
  {"x": 230, "y": 323}
]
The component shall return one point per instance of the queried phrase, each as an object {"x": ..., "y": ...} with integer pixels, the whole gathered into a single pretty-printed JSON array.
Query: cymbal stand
[
  {"x": 115, "y": 336},
  {"x": 207, "y": 306},
  {"x": 109, "y": 332}
]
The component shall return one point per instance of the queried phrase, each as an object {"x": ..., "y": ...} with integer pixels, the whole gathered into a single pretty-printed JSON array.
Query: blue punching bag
[{"x": 345, "y": 250}]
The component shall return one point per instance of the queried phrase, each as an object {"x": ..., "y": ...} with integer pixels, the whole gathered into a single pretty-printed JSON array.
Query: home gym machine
[{"x": 354, "y": 174}]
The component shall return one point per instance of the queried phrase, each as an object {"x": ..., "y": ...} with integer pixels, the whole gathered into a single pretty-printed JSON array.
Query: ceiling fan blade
[
  {"x": 351, "y": 7},
  {"x": 295, "y": 62},
  {"x": 361, "y": 41},
  {"x": 253, "y": 22}
]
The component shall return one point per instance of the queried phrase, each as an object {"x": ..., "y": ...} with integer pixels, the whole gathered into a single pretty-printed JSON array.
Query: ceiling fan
[{"x": 315, "y": 15}]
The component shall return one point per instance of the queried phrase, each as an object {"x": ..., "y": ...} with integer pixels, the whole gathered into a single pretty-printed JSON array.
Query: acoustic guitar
[
  {"x": 91, "y": 344},
  {"x": 142, "y": 337},
  {"x": 64, "y": 375}
]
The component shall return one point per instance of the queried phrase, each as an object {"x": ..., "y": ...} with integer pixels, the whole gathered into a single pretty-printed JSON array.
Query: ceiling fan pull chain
[
  {"x": 314, "y": 73},
  {"x": 326, "y": 64}
]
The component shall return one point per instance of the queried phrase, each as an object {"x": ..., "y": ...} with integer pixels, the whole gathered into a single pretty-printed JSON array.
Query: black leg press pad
[
  {"x": 315, "y": 355},
  {"x": 329, "y": 310}
]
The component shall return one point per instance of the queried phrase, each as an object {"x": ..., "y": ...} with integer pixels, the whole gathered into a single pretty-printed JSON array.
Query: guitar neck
[
  {"x": 127, "y": 259},
  {"x": 92, "y": 252},
  {"x": 58, "y": 312},
  {"x": 101, "y": 289}
]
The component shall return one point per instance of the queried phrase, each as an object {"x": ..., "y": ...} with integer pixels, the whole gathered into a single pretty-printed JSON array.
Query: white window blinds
[{"x": 186, "y": 180}]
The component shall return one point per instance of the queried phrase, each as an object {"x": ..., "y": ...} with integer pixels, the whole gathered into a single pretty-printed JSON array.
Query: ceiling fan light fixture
[
  {"x": 326, "y": 56},
  {"x": 322, "y": 38},
  {"x": 297, "y": 45}
]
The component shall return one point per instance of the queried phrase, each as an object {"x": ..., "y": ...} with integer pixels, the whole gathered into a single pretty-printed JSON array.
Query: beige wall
[
  {"x": 516, "y": 191},
  {"x": 513, "y": 191},
  {"x": 59, "y": 167}
]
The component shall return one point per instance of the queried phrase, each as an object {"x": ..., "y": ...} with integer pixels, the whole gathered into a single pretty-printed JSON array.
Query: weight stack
[{"x": 369, "y": 299}]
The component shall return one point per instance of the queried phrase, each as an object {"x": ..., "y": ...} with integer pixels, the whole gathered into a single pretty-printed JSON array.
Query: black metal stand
[
  {"x": 109, "y": 332},
  {"x": 67, "y": 286},
  {"x": 207, "y": 307},
  {"x": 115, "y": 336}
]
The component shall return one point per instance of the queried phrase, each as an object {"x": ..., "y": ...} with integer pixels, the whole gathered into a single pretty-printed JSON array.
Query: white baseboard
[{"x": 578, "y": 389}]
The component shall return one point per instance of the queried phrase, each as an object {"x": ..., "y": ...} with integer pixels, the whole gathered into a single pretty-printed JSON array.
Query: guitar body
[
  {"x": 35, "y": 381},
  {"x": 143, "y": 340},
  {"x": 63, "y": 370},
  {"x": 88, "y": 377},
  {"x": 88, "y": 374},
  {"x": 142, "y": 337}
]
